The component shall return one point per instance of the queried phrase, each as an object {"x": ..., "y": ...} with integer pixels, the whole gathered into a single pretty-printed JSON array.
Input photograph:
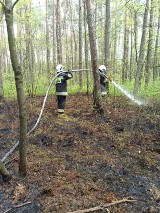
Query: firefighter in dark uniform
[
  {"x": 61, "y": 87},
  {"x": 104, "y": 83}
]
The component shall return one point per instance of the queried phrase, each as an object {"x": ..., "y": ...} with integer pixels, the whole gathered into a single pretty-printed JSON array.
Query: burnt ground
[{"x": 82, "y": 160}]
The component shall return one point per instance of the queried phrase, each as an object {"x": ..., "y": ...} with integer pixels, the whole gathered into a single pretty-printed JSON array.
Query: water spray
[{"x": 130, "y": 96}]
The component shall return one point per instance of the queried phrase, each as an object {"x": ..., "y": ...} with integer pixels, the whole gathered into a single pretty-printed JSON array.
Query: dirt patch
[{"x": 82, "y": 160}]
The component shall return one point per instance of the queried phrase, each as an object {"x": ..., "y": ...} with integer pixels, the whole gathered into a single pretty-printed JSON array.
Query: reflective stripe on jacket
[{"x": 61, "y": 83}]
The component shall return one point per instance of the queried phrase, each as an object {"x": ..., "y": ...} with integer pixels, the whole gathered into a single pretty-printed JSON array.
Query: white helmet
[
  {"x": 102, "y": 68},
  {"x": 59, "y": 68}
]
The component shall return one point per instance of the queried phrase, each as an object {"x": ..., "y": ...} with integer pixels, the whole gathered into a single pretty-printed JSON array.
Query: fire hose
[{"x": 41, "y": 112}]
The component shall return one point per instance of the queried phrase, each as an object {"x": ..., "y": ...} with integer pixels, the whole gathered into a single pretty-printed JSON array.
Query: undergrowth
[{"x": 41, "y": 83}]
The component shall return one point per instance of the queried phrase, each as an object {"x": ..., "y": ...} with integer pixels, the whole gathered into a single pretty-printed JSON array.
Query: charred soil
[{"x": 82, "y": 160}]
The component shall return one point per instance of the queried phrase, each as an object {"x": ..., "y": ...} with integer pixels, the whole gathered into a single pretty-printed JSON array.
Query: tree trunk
[
  {"x": 142, "y": 49},
  {"x": 53, "y": 34},
  {"x": 99, "y": 28},
  {"x": 58, "y": 33},
  {"x": 4, "y": 53},
  {"x": 131, "y": 56},
  {"x": 1, "y": 85},
  {"x": 115, "y": 48},
  {"x": 1, "y": 62},
  {"x": 125, "y": 48},
  {"x": 149, "y": 61},
  {"x": 47, "y": 40},
  {"x": 19, "y": 35},
  {"x": 107, "y": 36},
  {"x": 8, "y": 8},
  {"x": 156, "y": 48},
  {"x": 136, "y": 34},
  {"x": 30, "y": 57},
  {"x": 80, "y": 42},
  {"x": 74, "y": 52},
  {"x": 96, "y": 91},
  {"x": 72, "y": 33},
  {"x": 67, "y": 53},
  {"x": 4, "y": 172},
  {"x": 86, "y": 49}
]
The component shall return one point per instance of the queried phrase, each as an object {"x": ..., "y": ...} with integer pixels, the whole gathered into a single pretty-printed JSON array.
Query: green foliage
[
  {"x": 152, "y": 91},
  {"x": 9, "y": 85},
  {"x": 42, "y": 82},
  {"x": 77, "y": 90}
]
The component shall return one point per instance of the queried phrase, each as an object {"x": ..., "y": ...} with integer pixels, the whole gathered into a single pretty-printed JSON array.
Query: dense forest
[
  {"x": 52, "y": 32},
  {"x": 102, "y": 155}
]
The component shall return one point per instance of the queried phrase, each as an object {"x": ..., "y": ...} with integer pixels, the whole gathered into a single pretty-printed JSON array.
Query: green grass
[
  {"x": 152, "y": 91},
  {"x": 41, "y": 84}
]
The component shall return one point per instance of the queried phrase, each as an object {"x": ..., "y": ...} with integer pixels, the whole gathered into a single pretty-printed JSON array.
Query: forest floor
[{"x": 82, "y": 160}]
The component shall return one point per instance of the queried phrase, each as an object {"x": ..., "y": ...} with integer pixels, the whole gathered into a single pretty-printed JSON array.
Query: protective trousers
[{"x": 61, "y": 103}]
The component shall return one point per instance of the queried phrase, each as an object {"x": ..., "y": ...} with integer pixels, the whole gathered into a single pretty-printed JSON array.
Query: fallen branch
[
  {"x": 18, "y": 206},
  {"x": 97, "y": 208}
]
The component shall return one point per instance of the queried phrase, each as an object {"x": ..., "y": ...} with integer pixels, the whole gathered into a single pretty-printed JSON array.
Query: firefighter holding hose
[
  {"x": 104, "y": 80},
  {"x": 61, "y": 87}
]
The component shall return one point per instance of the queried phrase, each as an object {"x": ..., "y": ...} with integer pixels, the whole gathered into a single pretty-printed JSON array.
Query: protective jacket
[
  {"x": 104, "y": 84},
  {"x": 61, "y": 83}
]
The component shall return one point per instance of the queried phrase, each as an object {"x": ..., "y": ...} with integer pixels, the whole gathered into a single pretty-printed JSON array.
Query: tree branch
[
  {"x": 97, "y": 208},
  {"x": 2, "y": 4},
  {"x": 18, "y": 206},
  {"x": 15, "y": 3}
]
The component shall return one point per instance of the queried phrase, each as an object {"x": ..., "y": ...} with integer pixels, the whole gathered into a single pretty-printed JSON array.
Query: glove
[
  {"x": 69, "y": 71},
  {"x": 70, "y": 74},
  {"x": 105, "y": 81}
]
